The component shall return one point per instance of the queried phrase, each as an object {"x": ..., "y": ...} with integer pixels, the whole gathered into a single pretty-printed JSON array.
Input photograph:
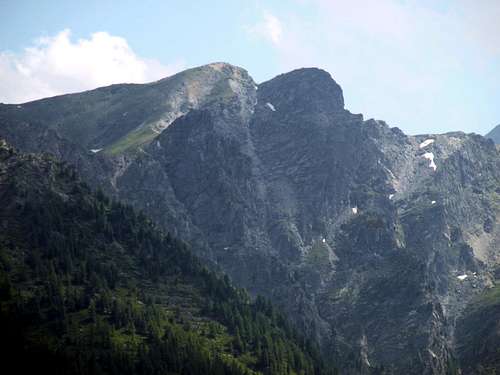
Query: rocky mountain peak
[
  {"x": 306, "y": 89},
  {"x": 209, "y": 79},
  {"x": 135, "y": 114},
  {"x": 227, "y": 68},
  {"x": 210, "y": 87},
  {"x": 221, "y": 70}
]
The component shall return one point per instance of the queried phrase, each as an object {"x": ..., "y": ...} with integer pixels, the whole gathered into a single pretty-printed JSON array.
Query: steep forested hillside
[{"x": 89, "y": 286}]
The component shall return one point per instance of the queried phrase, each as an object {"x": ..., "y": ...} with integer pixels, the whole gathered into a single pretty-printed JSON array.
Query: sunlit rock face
[{"x": 373, "y": 241}]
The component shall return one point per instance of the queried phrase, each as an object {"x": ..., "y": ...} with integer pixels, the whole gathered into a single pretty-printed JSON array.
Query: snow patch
[
  {"x": 433, "y": 202},
  {"x": 462, "y": 277},
  {"x": 354, "y": 210},
  {"x": 19, "y": 106},
  {"x": 324, "y": 240},
  {"x": 430, "y": 156},
  {"x": 391, "y": 196},
  {"x": 426, "y": 143},
  {"x": 95, "y": 150},
  {"x": 271, "y": 107}
]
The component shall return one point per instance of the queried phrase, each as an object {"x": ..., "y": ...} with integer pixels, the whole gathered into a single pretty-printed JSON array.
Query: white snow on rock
[
  {"x": 324, "y": 240},
  {"x": 462, "y": 277},
  {"x": 271, "y": 107},
  {"x": 433, "y": 202},
  {"x": 426, "y": 143},
  {"x": 391, "y": 196},
  {"x": 430, "y": 156},
  {"x": 95, "y": 150},
  {"x": 19, "y": 106},
  {"x": 354, "y": 210}
]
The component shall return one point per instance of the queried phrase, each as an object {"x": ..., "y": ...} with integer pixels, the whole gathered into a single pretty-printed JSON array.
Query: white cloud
[
  {"x": 269, "y": 28},
  {"x": 57, "y": 65}
]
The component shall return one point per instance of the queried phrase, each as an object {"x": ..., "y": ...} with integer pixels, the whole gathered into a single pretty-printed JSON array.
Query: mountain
[
  {"x": 373, "y": 242},
  {"x": 114, "y": 119},
  {"x": 494, "y": 134},
  {"x": 88, "y": 286}
]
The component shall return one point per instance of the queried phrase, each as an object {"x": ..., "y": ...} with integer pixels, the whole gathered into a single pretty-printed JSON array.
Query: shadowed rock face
[
  {"x": 362, "y": 234},
  {"x": 303, "y": 91}
]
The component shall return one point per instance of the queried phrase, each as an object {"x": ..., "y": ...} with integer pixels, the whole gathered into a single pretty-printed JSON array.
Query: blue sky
[{"x": 424, "y": 66}]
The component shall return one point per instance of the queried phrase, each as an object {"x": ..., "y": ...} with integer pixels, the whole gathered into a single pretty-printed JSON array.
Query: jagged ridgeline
[{"x": 89, "y": 286}]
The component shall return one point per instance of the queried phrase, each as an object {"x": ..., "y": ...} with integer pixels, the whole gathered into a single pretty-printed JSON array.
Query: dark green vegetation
[
  {"x": 478, "y": 334},
  {"x": 89, "y": 286}
]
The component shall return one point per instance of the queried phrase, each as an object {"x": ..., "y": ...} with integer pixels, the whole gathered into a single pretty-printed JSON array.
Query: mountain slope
[
  {"x": 117, "y": 120},
  {"x": 373, "y": 241},
  {"x": 88, "y": 286},
  {"x": 494, "y": 134},
  {"x": 124, "y": 115}
]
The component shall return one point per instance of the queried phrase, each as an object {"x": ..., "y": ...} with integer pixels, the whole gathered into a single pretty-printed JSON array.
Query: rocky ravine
[{"x": 372, "y": 240}]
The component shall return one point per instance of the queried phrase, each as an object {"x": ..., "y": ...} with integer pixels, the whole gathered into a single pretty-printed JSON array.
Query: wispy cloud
[
  {"x": 56, "y": 65},
  {"x": 269, "y": 28},
  {"x": 420, "y": 66}
]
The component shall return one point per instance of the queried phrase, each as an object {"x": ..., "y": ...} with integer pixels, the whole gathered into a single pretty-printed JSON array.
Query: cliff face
[{"x": 373, "y": 241}]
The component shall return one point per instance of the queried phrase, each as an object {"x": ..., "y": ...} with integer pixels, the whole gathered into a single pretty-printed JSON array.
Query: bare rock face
[
  {"x": 303, "y": 91},
  {"x": 373, "y": 241}
]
